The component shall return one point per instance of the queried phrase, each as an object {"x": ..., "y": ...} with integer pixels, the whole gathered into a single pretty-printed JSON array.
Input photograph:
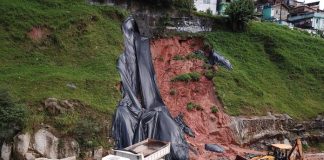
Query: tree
[{"x": 240, "y": 12}]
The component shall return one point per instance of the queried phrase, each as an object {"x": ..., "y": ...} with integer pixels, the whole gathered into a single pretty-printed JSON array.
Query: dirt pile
[
  {"x": 208, "y": 121},
  {"x": 37, "y": 34}
]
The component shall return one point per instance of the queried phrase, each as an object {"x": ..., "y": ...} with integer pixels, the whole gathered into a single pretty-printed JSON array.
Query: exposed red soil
[
  {"x": 38, "y": 33},
  {"x": 209, "y": 127}
]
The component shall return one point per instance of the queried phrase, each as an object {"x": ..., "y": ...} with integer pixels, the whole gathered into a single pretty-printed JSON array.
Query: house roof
[
  {"x": 284, "y": 5},
  {"x": 313, "y": 3}
]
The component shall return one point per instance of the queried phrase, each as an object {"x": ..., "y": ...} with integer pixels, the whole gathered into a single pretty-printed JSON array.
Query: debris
[
  {"x": 183, "y": 125},
  {"x": 216, "y": 58},
  {"x": 71, "y": 86},
  {"x": 214, "y": 148}
]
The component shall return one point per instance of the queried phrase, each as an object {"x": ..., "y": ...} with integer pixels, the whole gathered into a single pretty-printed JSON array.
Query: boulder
[
  {"x": 29, "y": 156},
  {"x": 46, "y": 144},
  {"x": 97, "y": 154},
  {"x": 6, "y": 151},
  {"x": 21, "y": 145},
  {"x": 52, "y": 105},
  {"x": 68, "y": 148},
  {"x": 68, "y": 158}
]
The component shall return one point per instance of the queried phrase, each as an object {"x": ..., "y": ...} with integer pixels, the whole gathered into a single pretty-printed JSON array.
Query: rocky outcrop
[
  {"x": 42, "y": 143},
  {"x": 21, "y": 145},
  {"x": 68, "y": 148},
  {"x": 68, "y": 158},
  {"x": 252, "y": 129},
  {"x": 55, "y": 106},
  {"x": 97, "y": 154},
  {"x": 46, "y": 143},
  {"x": 6, "y": 151}
]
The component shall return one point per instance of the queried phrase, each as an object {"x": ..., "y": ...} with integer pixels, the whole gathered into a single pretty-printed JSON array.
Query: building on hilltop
[
  {"x": 277, "y": 12},
  {"x": 205, "y": 5}
]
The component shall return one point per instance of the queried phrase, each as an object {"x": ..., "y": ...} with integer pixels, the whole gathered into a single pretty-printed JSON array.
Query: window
[
  {"x": 316, "y": 20},
  {"x": 206, "y": 1}
]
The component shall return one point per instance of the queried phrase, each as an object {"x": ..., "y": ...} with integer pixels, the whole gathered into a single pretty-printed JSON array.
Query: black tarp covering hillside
[{"x": 141, "y": 113}]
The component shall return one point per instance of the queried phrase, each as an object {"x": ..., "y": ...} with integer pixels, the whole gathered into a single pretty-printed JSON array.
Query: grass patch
[
  {"x": 209, "y": 74},
  {"x": 186, "y": 77},
  {"x": 275, "y": 69},
  {"x": 213, "y": 109},
  {"x": 178, "y": 57},
  {"x": 191, "y": 106}
]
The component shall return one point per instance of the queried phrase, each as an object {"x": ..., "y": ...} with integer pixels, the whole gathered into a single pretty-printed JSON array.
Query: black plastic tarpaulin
[{"x": 141, "y": 113}]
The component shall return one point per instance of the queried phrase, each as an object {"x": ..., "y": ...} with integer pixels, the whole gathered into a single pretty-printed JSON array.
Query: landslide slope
[{"x": 275, "y": 69}]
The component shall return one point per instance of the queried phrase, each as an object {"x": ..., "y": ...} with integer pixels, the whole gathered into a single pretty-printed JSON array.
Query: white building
[{"x": 204, "y": 5}]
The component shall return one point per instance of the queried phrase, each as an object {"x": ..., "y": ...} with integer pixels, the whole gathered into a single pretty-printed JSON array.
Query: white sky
[{"x": 321, "y": 2}]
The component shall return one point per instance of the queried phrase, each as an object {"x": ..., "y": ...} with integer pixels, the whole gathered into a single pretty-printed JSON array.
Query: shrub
[
  {"x": 88, "y": 133},
  {"x": 178, "y": 57},
  {"x": 240, "y": 12},
  {"x": 214, "y": 109},
  {"x": 193, "y": 76},
  {"x": 173, "y": 92},
  {"x": 209, "y": 74},
  {"x": 197, "y": 55},
  {"x": 191, "y": 106},
  {"x": 12, "y": 116}
]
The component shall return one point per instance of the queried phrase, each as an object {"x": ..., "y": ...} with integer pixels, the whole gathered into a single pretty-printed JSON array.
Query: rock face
[
  {"x": 46, "y": 143},
  {"x": 248, "y": 130},
  {"x": 21, "y": 145},
  {"x": 43, "y": 144},
  {"x": 68, "y": 148},
  {"x": 97, "y": 154},
  {"x": 55, "y": 106},
  {"x": 6, "y": 151}
]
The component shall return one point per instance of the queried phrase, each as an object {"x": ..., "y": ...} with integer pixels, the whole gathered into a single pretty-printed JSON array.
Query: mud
[{"x": 209, "y": 127}]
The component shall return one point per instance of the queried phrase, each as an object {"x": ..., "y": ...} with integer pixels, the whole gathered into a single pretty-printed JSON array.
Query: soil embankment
[{"x": 209, "y": 126}]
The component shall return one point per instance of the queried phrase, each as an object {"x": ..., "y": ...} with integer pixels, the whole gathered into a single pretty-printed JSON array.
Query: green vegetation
[
  {"x": 209, "y": 74},
  {"x": 214, "y": 109},
  {"x": 79, "y": 45},
  {"x": 240, "y": 12},
  {"x": 12, "y": 116},
  {"x": 63, "y": 49},
  {"x": 197, "y": 55},
  {"x": 191, "y": 106},
  {"x": 186, "y": 77},
  {"x": 275, "y": 69},
  {"x": 178, "y": 57}
]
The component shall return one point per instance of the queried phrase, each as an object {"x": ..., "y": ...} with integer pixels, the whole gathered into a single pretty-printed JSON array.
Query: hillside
[
  {"x": 67, "y": 50},
  {"x": 275, "y": 69},
  {"x": 46, "y": 46}
]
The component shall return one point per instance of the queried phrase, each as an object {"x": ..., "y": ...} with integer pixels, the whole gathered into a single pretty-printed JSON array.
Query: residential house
[
  {"x": 204, "y": 5},
  {"x": 308, "y": 20},
  {"x": 277, "y": 12}
]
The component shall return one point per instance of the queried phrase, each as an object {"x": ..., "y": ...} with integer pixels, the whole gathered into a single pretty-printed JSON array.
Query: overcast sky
[{"x": 321, "y": 2}]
